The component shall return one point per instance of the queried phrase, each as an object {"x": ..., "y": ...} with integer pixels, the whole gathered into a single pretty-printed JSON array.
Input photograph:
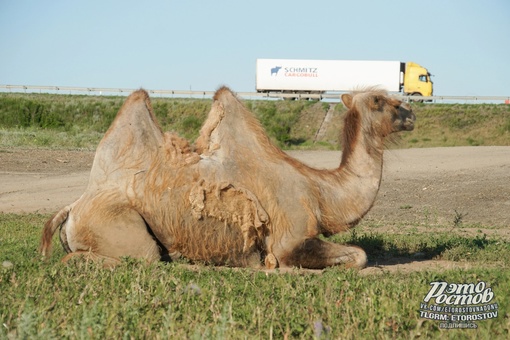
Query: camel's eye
[
  {"x": 378, "y": 103},
  {"x": 378, "y": 100}
]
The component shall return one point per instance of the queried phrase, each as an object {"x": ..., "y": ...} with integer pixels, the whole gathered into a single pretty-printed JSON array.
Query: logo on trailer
[
  {"x": 275, "y": 70},
  {"x": 300, "y": 72}
]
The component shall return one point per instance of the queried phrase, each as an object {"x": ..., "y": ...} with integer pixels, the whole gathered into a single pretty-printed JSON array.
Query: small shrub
[{"x": 458, "y": 218}]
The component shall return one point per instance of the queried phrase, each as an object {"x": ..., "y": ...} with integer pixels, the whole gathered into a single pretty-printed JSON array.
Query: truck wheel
[{"x": 416, "y": 100}]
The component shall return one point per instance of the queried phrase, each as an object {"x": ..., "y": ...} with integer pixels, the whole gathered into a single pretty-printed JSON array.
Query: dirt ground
[{"x": 433, "y": 186}]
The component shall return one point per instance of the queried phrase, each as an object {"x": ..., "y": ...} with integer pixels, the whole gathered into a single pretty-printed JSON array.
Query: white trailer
[{"x": 319, "y": 76}]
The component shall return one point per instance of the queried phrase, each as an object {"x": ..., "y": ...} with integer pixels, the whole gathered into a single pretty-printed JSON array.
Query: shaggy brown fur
[{"x": 238, "y": 200}]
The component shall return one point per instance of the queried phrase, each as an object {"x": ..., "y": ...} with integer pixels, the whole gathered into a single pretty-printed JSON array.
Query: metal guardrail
[{"x": 210, "y": 94}]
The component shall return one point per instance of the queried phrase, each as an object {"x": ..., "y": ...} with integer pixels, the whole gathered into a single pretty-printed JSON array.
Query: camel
[{"x": 233, "y": 198}]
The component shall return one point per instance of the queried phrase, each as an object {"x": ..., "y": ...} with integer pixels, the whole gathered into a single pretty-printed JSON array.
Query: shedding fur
[{"x": 235, "y": 207}]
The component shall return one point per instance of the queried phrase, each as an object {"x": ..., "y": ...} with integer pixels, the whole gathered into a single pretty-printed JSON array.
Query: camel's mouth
[
  {"x": 406, "y": 118},
  {"x": 408, "y": 123},
  {"x": 405, "y": 121}
]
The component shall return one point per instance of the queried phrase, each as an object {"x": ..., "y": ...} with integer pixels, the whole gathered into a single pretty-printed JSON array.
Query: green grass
[
  {"x": 440, "y": 125},
  {"x": 74, "y": 121},
  {"x": 466, "y": 243},
  {"x": 46, "y": 299},
  {"x": 45, "y": 138}
]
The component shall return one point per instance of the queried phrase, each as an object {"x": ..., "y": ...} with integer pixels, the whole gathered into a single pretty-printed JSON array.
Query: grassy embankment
[
  {"x": 65, "y": 121},
  {"x": 45, "y": 299}
]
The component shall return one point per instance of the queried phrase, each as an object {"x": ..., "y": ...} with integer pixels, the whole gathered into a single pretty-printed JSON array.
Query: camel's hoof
[{"x": 270, "y": 261}]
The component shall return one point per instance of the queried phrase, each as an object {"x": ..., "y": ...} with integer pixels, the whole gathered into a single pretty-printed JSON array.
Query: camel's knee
[
  {"x": 314, "y": 253},
  {"x": 353, "y": 257}
]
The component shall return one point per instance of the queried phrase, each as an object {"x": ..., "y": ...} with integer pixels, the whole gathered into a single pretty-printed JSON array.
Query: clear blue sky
[{"x": 178, "y": 45}]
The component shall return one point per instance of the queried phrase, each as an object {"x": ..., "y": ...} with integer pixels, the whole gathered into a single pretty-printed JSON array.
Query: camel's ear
[{"x": 347, "y": 100}]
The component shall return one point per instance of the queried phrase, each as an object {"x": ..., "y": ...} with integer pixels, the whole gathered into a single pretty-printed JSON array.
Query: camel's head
[{"x": 381, "y": 112}]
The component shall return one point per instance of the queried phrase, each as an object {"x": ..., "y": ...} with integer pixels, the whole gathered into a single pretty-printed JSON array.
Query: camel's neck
[{"x": 357, "y": 179}]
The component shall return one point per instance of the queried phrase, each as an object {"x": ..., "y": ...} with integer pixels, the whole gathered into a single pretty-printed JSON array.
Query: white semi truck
[{"x": 321, "y": 76}]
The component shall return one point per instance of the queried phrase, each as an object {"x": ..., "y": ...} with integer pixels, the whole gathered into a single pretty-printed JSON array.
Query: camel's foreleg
[{"x": 314, "y": 253}]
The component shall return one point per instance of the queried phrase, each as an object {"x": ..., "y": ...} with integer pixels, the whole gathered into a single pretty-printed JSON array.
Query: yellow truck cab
[{"x": 417, "y": 80}]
